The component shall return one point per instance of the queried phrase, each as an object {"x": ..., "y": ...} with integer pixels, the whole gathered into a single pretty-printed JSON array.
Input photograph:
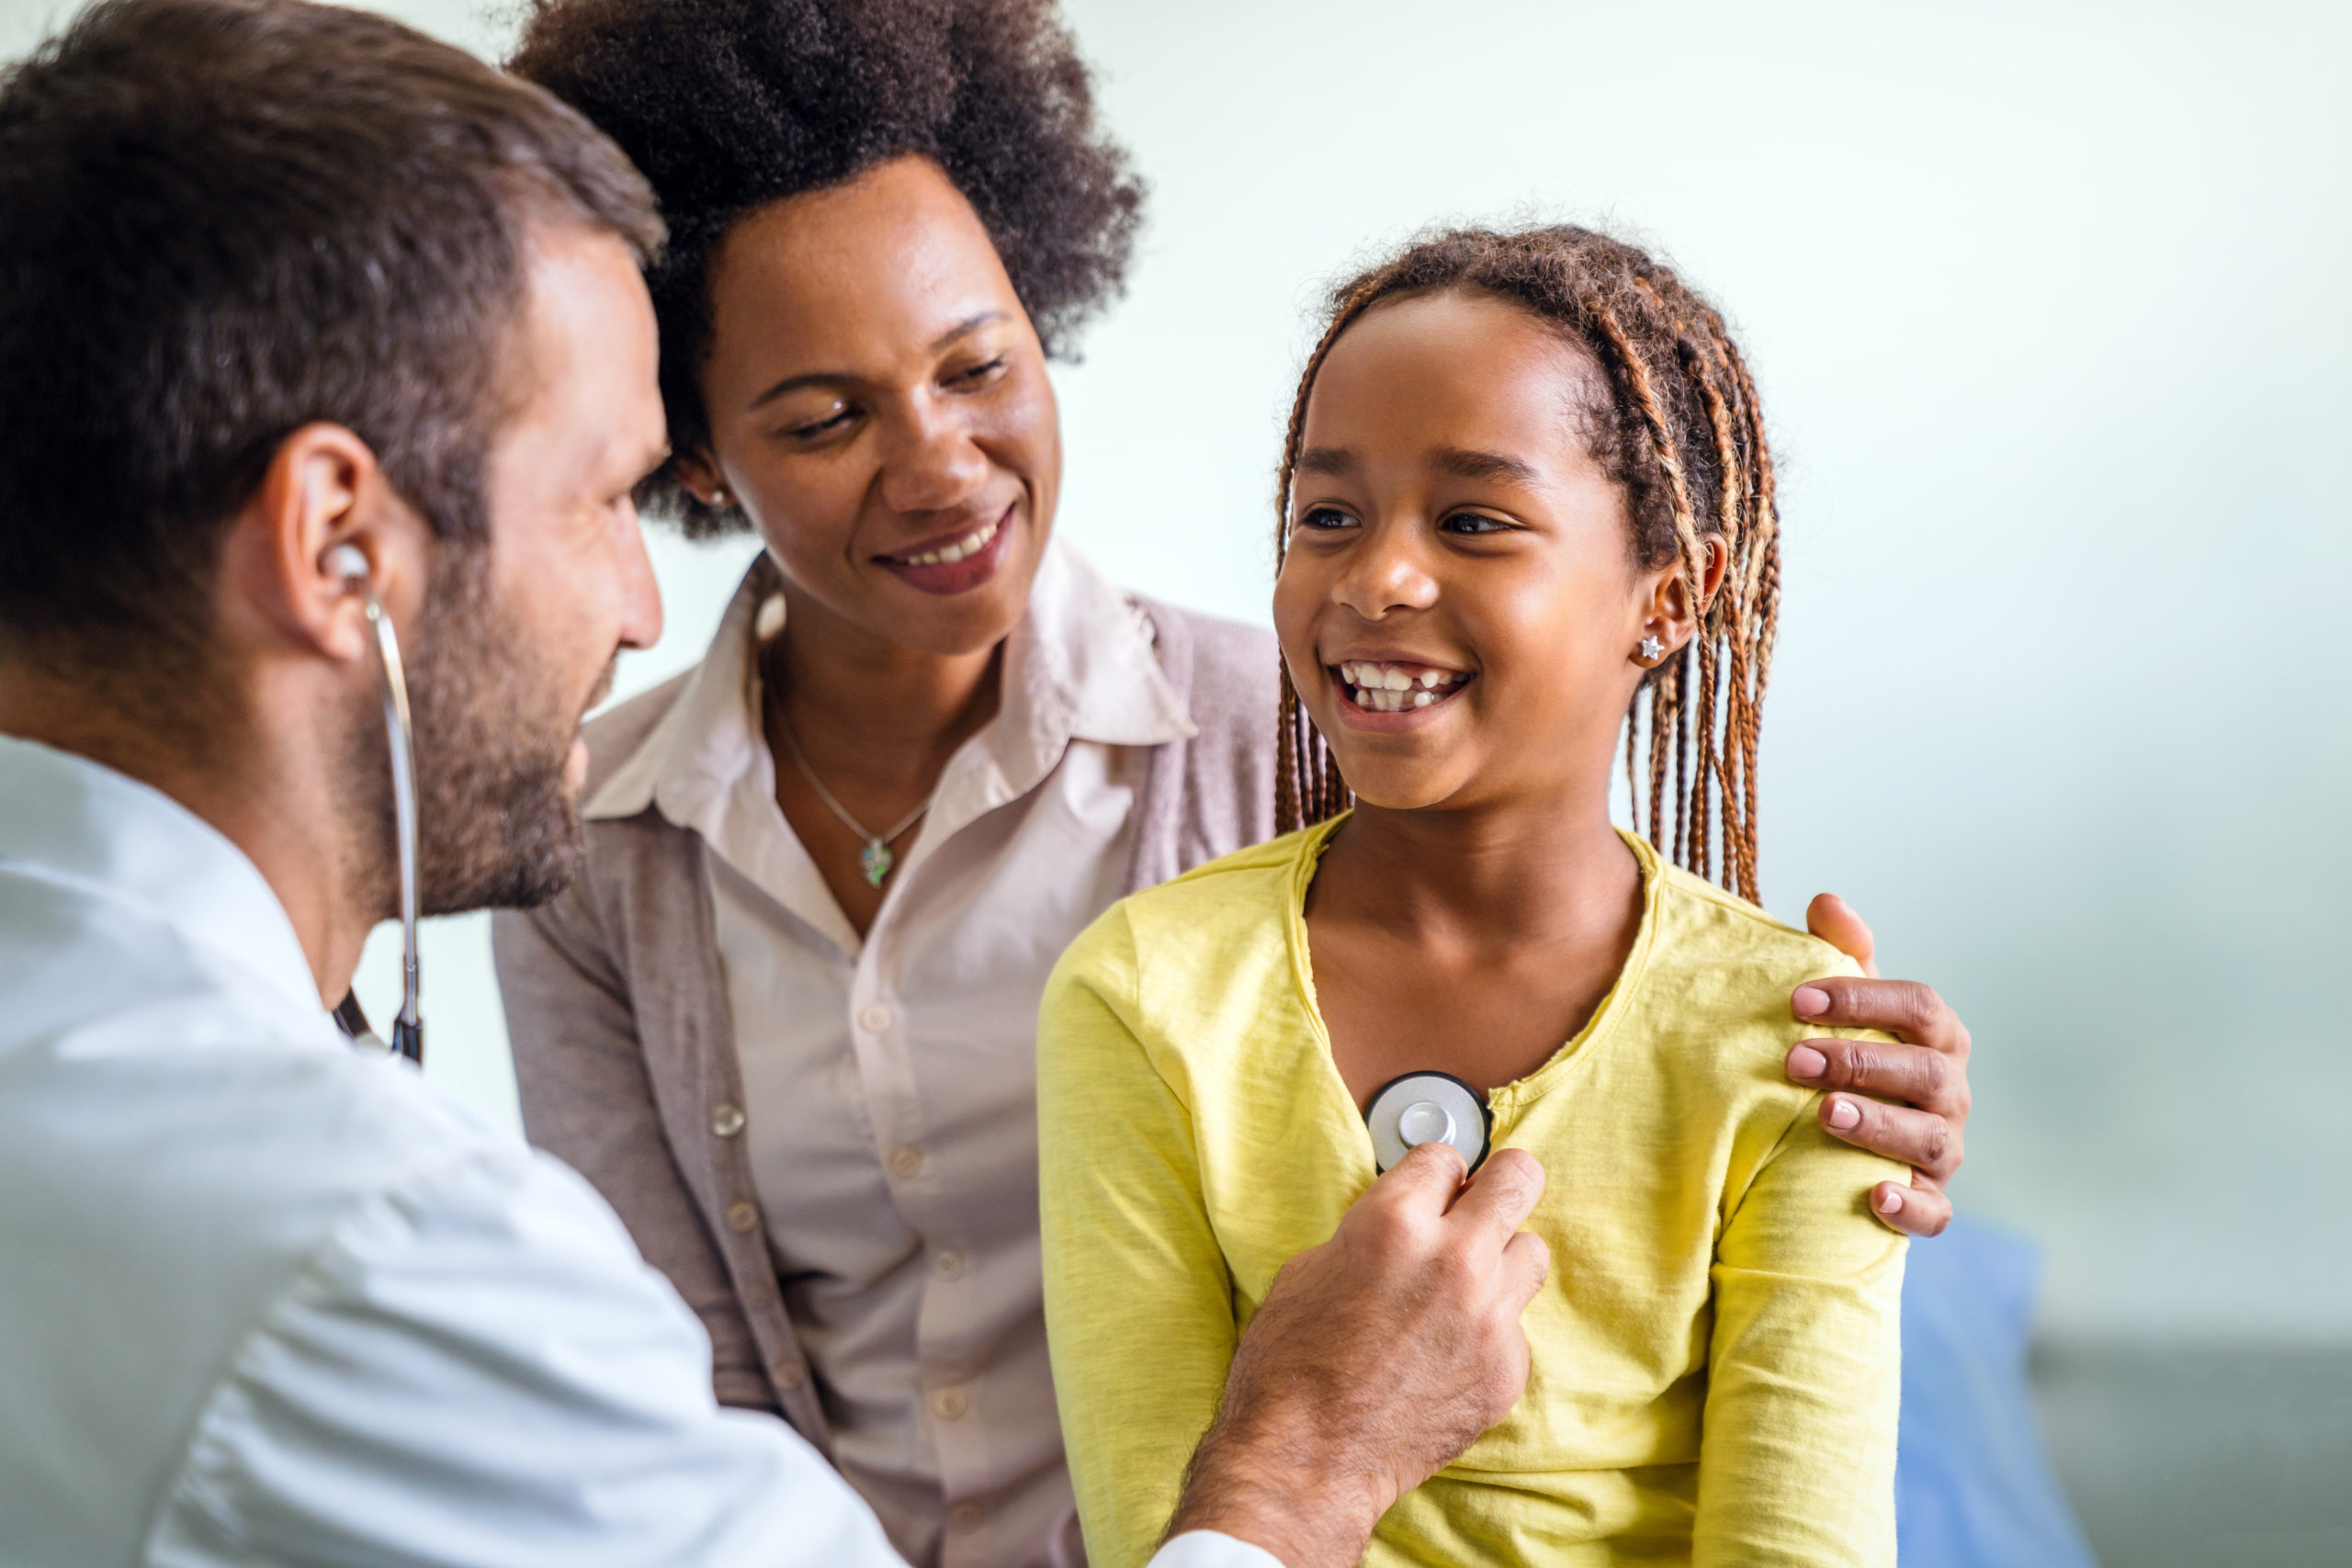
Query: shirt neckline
[
  {"x": 1080, "y": 665},
  {"x": 1507, "y": 1100}
]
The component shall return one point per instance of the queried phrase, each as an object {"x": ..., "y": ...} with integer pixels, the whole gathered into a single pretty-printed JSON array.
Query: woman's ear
[
  {"x": 698, "y": 471},
  {"x": 1668, "y": 621}
]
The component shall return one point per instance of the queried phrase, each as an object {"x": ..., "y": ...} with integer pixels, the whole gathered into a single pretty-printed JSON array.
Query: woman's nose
[{"x": 933, "y": 464}]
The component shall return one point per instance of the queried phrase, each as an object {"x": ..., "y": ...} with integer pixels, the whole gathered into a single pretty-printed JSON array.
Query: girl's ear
[{"x": 1669, "y": 621}]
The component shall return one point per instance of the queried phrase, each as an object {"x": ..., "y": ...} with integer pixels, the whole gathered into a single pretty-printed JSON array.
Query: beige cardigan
[{"x": 624, "y": 1051}]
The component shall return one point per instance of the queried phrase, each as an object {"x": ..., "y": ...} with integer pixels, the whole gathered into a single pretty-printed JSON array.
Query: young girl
[{"x": 1525, "y": 495}]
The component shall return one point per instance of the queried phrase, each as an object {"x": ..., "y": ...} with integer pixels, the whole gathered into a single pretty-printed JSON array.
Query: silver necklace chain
[{"x": 876, "y": 859}]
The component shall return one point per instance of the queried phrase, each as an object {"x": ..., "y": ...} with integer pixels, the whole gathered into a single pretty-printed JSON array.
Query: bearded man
[{"x": 299, "y": 309}]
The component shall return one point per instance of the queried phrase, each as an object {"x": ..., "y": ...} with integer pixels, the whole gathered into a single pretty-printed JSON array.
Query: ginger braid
[{"x": 1680, "y": 427}]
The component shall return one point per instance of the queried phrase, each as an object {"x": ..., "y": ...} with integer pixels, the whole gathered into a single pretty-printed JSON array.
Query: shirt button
[
  {"x": 950, "y": 1265},
  {"x": 949, "y": 1403},
  {"x": 966, "y": 1517},
  {"x": 741, "y": 1217},
  {"x": 905, "y": 1160},
  {"x": 874, "y": 1020},
  {"x": 726, "y": 1120}
]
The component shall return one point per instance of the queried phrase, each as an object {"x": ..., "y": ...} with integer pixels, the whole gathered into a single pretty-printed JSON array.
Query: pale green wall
[{"x": 2047, "y": 304}]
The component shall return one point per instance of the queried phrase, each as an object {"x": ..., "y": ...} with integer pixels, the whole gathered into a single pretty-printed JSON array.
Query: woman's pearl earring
[
  {"x": 1651, "y": 649},
  {"x": 718, "y": 496}
]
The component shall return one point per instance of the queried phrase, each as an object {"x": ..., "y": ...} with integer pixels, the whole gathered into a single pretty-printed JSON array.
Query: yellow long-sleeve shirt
[{"x": 1716, "y": 1353}]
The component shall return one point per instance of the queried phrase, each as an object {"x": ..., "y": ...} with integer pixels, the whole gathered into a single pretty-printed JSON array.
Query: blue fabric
[{"x": 1972, "y": 1483}]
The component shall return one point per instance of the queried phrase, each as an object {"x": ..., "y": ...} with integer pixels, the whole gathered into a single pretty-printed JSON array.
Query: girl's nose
[
  {"x": 933, "y": 462},
  {"x": 1385, "y": 573}
]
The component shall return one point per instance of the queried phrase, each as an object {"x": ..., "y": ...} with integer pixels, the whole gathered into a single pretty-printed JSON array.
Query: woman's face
[
  {"x": 879, "y": 407},
  {"x": 1452, "y": 534}
]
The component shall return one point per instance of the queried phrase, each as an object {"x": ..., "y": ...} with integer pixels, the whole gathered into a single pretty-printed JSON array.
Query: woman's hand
[{"x": 1927, "y": 1074}]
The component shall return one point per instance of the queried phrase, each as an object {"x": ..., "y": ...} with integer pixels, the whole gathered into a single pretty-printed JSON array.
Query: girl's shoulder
[
  {"x": 1709, "y": 943},
  {"x": 1214, "y": 935},
  {"x": 1706, "y": 925}
]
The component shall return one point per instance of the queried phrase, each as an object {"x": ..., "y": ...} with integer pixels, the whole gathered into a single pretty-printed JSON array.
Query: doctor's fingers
[{"x": 1498, "y": 1202}]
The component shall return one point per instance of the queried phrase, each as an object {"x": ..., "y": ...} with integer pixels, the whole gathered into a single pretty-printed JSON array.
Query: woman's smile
[{"x": 957, "y": 562}]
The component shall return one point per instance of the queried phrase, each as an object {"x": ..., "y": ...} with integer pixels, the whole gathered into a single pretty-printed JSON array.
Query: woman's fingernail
[
  {"x": 1811, "y": 1001},
  {"x": 1845, "y": 1115},
  {"x": 1890, "y": 1201},
  {"x": 1804, "y": 1062}
]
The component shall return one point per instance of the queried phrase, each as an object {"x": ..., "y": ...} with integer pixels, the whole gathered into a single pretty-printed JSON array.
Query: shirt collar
[
  {"x": 75, "y": 822},
  {"x": 1079, "y": 666}
]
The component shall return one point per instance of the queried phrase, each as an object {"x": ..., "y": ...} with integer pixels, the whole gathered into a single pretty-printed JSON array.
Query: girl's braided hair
[{"x": 1681, "y": 429}]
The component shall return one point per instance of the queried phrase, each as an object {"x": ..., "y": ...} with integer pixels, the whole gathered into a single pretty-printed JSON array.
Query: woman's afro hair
[{"x": 729, "y": 105}]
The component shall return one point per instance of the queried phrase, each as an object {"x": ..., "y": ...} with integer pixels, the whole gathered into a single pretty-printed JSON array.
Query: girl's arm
[
  {"x": 1796, "y": 1461},
  {"x": 1138, "y": 1303}
]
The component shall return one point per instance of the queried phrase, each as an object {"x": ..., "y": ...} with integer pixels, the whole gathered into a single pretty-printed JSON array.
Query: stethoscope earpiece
[
  {"x": 1428, "y": 1107},
  {"x": 346, "y": 562}
]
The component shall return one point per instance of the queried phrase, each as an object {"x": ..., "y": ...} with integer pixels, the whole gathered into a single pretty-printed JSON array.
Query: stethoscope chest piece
[{"x": 1428, "y": 1107}]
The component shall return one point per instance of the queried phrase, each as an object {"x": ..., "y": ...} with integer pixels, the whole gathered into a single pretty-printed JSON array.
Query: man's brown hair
[{"x": 222, "y": 220}]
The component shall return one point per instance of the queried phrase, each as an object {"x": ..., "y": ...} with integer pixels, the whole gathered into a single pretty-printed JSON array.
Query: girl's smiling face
[{"x": 1459, "y": 605}]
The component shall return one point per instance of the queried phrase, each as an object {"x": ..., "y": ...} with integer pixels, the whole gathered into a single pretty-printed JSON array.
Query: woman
[{"x": 785, "y": 1021}]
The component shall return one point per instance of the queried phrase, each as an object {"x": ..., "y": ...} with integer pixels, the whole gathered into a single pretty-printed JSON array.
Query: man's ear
[
  {"x": 284, "y": 571},
  {"x": 1668, "y": 616}
]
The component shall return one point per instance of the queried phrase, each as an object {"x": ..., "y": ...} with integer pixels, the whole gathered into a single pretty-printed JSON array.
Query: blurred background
[{"x": 2048, "y": 308}]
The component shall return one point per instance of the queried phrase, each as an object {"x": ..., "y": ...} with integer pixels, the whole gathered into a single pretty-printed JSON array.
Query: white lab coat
[{"x": 265, "y": 1298}]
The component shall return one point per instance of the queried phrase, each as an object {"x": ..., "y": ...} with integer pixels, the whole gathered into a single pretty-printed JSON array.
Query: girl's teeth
[{"x": 1386, "y": 690}]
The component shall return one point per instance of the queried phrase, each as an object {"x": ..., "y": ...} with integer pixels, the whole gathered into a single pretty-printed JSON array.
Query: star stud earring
[{"x": 1652, "y": 650}]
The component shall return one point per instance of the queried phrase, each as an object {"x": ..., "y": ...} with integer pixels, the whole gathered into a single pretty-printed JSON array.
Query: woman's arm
[
  {"x": 1796, "y": 1462},
  {"x": 1138, "y": 1302}
]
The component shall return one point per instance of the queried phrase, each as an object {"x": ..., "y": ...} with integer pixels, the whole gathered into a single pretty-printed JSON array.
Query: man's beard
[{"x": 496, "y": 829}]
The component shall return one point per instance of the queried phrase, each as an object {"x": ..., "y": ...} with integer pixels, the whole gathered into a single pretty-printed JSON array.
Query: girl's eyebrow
[
  {"x": 1337, "y": 463},
  {"x": 1467, "y": 465}
]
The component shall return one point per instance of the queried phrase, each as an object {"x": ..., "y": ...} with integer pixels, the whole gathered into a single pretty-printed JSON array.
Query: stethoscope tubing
[{"x": 407, "y": 1029}]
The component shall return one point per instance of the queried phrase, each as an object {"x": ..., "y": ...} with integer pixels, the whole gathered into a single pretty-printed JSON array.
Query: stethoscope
[
  {"x": 407, "y": 1029},
  {"x": 1428, "y": 1107}
]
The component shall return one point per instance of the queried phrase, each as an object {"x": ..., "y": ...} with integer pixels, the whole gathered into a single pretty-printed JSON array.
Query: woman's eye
[
  {"x": 1325, "y": 517},
  {"x": 1474, "y": 522},
  {"x": 979, "y": 372},
  {"x": 823, "y": 426}
]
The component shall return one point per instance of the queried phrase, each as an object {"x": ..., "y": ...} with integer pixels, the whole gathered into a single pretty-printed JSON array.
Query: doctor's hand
[
  {"x": 1377, "y": 1357},
  {"x": 1926, "y": 1073}
]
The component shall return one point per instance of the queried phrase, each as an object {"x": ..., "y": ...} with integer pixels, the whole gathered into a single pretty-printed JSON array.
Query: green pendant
[{"x": 875, "y": 860}]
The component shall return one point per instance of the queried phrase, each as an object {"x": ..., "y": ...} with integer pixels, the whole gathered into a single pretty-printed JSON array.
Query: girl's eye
[
  {"x": 1474, "y": 523},
  {"x": 979, "y": 372},
  {"x": 1325, "y": 517}
]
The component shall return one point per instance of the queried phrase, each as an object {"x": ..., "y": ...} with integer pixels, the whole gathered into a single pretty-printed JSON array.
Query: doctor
[{"x": 297, "y": 306}]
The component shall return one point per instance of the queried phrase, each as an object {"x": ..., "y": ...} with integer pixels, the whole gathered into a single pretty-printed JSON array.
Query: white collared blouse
[{"x": 889, "y": 1083}]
